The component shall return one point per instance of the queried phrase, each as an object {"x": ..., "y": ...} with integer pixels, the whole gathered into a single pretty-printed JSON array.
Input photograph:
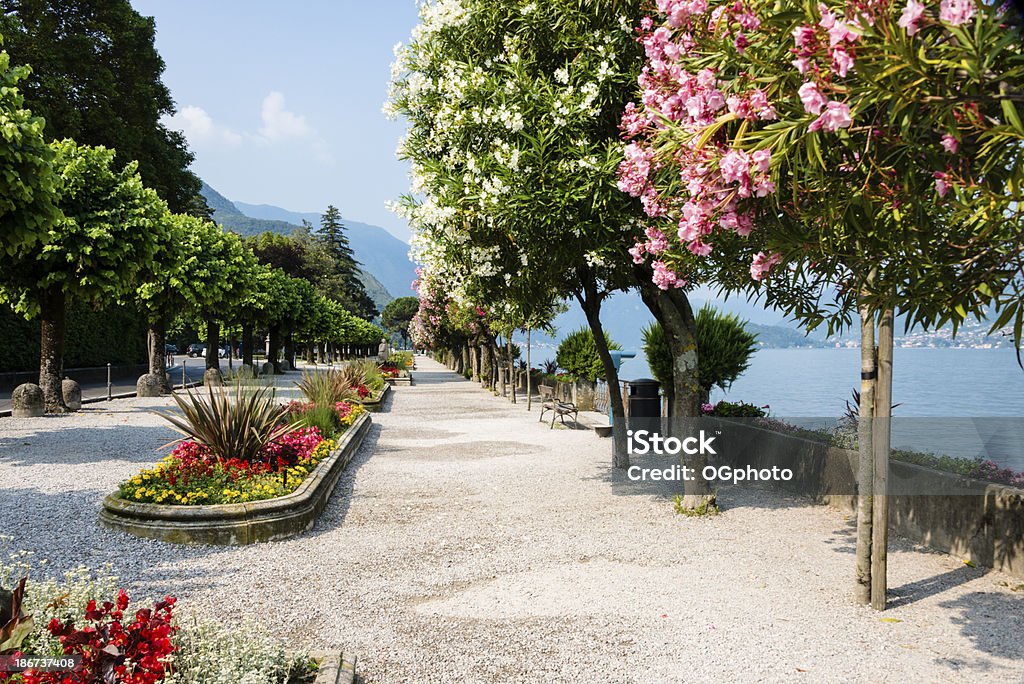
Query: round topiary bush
[
  {"x": 724, "y": 348},
  {"x": 577, "y": 355}
]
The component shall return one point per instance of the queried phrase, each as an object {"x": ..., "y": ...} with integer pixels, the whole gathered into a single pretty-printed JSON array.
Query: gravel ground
[{"x": 470, "y": 543}]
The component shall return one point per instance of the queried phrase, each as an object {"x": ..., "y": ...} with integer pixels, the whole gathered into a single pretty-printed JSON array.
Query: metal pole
[
  {"x": 529, "y": 370},
  {"x": 184, "y": 362},
  {"x": 110, "y": 393}
]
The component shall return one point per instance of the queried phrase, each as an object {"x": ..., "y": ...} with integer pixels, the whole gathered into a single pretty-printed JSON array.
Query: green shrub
[
  {"x": 577, "y": 355},
  {"x": 729, "y": 409},
  {"x": 724, "y": 348},
  {"x": 233, "y": 422}
]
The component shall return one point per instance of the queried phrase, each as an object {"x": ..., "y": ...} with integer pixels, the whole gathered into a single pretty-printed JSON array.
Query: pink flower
[
  {"x": 762, "y": 159},
  {"x": 637, "y": 252},
  {"x": 699, "y": 248},
  {"x": 664, "y": 277},
  {"x": 657, "y": 241},
  {"x": 828, "y": 19},
  {"x": 950, "y": 144},
  {"x": 735, "y": 167},
  {"x": 802, "y": 64},
  {"x": 956, "y": 12},
  {"x": 911, "y": 16},
  {"x": 811, "y": 97},
  {"x": 839, "y": 32},
  {"x": 941, "y": 186},
  {"x": 842, "y": 61},
  {"x": 835, "y": 116},
  {"x": 763, "y": 263},
  {"x": 803, "y": 36}
]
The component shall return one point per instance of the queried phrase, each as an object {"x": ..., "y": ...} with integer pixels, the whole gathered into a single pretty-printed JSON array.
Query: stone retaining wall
[{"x": 985, "y": 525}]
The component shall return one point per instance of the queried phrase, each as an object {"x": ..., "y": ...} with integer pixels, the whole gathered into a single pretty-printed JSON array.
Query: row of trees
[
  {"x": 842, "y": 162},
  {"x": 78, "y": 227}
]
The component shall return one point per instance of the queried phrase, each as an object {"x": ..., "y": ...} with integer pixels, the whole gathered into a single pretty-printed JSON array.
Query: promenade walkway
[{"x": 470, "y": 543}]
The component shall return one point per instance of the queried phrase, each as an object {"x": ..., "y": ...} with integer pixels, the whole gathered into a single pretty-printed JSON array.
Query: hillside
[
  {"x": 228, "y": 215},
  {"x": 379, "y": 251}
]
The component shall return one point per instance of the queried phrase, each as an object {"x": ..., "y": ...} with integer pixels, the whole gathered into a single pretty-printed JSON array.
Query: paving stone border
[
  {"x": 377, "y": 405},
  {"x": 241, "y": 523},
  {"x": 335, "y": 668}
]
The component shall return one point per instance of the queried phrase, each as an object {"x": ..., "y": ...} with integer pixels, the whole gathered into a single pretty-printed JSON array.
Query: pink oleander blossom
[
  {"x": 941, "y": 186},
  {"x": 835, "y": 116},
  {"x": 763, "y": 263},
  {"x": 664, "y": 277},
  {"x": 842, "y": 62},
  {"x": 950, "y": 144},
  {"x": 812, "y": 98},
  {"x": 803, "y": 36},
  {"x": 911, "y": 16},
  {"x": 956, "y": 12}
]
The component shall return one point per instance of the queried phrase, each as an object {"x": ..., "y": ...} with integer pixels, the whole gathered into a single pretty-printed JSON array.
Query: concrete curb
[
  {"x": 377, "y": 405},
  {"x": 242, "y": 523},
  {"x": 335, "y": 668},
  {"x": 403, "y": 381}
]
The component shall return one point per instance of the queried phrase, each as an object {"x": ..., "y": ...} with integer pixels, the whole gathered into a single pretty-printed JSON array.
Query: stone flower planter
[
  {"x": 335, "y": 668},
  {"x": 376, "y": 404},
  {"x": 401, "y": 379},
  {"x": 241, "y": 523}
]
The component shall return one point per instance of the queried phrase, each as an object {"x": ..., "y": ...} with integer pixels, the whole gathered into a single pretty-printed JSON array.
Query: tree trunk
[
  {"x": 485, "y": 364},
  {"x": 156, "y": 340},
  {"x": 511, "y": 369},
  {"x": 499, "y": 369},
  {"x": 673, "y": 311},
  {"x": 289, "y": 349},
  {"x": 881, "y": 436},
  {"x": 212, "y": 345},
  {"x": 590, "y": 301},
  {"x": 53, "y": 310},
  {"x": 247, "y": 344},
  {"x": 865, "y": 469},
  {"x": 474, "y": 356},
  {"x": 529, "y": 373},
  {"x": 274, "y": 349}
]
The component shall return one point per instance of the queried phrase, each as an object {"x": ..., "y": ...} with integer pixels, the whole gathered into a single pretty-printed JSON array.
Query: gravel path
[{"x": 469, "y": 543}]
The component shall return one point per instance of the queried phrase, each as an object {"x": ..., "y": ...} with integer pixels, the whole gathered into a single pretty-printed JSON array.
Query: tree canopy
[{"x": 96, "y": 78}]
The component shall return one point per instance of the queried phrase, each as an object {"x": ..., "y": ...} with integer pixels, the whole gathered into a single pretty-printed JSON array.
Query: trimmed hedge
[{"x": 114, "y": 335}]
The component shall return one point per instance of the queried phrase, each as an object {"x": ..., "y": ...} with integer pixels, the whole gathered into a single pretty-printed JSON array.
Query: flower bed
[
  {"x": 91, "y": 617},
  {"x": 191, "y": 475},
  {"x": 254, "y": 507}
]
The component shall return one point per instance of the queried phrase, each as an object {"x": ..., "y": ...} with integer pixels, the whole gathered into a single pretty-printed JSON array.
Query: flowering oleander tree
[
  {"x": 809, "y": 137},
  {"x": 513, "y": 109},
  {"x": 834, "y": 157}
]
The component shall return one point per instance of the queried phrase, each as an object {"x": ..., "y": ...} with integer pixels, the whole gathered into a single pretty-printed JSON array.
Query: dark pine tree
[{"x": 342, "y": 282}]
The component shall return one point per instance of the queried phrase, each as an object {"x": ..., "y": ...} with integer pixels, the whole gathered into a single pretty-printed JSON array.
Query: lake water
[{"x": 962, "y": 402}]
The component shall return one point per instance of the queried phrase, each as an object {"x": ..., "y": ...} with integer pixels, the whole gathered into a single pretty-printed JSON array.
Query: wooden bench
[{"x": 559, "y": 409}]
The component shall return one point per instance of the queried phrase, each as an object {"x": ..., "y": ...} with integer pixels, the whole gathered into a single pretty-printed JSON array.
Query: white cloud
[
  {"x": 198, "y": 127},
  {"x": 281, "y": 124},
  {"x": 280, "y": 127}
]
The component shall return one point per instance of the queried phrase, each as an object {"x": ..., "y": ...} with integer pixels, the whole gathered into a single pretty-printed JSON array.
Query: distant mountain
[
  {"x": 382, "y": 253},
  {"x": 369, "y": 243}
]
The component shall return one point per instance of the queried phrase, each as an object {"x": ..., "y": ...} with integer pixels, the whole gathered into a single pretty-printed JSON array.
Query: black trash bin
[{"x": 644, "y": 401}]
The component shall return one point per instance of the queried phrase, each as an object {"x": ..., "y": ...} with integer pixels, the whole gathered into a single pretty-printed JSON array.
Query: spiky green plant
[
  {"x": 327, "y": 388},
  {"x": 233, "y": 422}
]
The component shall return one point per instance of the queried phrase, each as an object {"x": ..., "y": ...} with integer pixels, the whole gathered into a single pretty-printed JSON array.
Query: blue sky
[{"x": 281, "y": 102}]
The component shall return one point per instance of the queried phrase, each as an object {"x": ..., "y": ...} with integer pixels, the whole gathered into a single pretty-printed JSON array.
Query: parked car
[
  {"x": 222, "y": 353},
  {"x": 195, "y": 350},
  {"x": 170, "y": 349}
]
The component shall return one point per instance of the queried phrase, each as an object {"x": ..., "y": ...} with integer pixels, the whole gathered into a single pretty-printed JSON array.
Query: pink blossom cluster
[
  {"x": 952, "y": 12},
  {"x": 717, "y": 177},
  {"x": 831, "y": 41}
]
